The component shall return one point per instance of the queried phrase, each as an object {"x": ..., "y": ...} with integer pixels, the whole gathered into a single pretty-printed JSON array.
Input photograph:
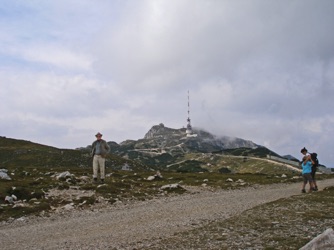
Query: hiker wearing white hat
[{"x": 100, "y": 149}]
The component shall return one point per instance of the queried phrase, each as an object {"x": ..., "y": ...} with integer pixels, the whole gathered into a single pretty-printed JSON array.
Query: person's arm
[
  {"x": 106, "y": 147},
  {"x": 93, "y": 150},
  {"x": 307, "y": 158}
]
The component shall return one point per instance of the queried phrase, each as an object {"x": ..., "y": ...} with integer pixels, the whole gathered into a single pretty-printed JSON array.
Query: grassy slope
[{"x": 32, "y": 168}]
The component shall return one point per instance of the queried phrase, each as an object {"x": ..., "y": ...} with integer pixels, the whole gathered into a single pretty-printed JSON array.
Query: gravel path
[{"x": 126, "y": 226}]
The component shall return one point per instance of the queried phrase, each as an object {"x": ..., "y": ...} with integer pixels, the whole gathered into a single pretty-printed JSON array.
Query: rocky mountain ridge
[
  {"x": 162, "y": 146},
  {"x": 164, "y": 138}
]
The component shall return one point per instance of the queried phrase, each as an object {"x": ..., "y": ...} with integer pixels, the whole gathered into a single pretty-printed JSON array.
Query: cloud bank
[{"x": 260, "y": 70}]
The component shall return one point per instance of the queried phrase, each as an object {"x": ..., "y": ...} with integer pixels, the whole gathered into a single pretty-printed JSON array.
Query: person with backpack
[
  {"x": 315, "y": 164},
  {"x": 306, "y": 173},
  {"x": 314, "y": 161}
]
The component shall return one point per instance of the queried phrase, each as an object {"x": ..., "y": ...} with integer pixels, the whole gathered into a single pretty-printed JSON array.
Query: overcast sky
[{"x": 261, "y": 70}]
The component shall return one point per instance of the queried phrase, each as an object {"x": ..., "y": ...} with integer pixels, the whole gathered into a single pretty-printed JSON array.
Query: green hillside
[
  {"x": 21, "y": 153},
  {"x": 33, "y": 169}
]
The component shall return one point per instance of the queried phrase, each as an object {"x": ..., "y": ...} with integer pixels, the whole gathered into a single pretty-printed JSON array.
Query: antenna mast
[
  {"x": 189, "y": 130},
  {"x": 188, "y": 109}
]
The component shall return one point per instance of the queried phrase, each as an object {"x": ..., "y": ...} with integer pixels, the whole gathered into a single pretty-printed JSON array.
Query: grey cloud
[{"x": 256, "y": 69}]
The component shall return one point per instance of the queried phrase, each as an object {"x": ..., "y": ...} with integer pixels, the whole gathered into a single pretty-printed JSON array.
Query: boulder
[{"x": 324, "y": 241}]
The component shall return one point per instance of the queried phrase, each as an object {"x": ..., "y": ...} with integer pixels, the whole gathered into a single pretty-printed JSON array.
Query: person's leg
[
  {"x": 310, "y": 181},
  {"x": 95, "y": 166},
  {"x": 304, "y": 184},
  {"x": 314, "y": 182},
  {"x": 102, "y": 161}
]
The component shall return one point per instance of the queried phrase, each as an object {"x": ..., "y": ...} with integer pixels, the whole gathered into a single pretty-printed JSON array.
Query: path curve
[{"x": 120, "y": 227}]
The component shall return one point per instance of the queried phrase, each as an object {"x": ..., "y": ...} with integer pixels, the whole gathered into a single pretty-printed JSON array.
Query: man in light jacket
[{"x": 100, "y": 149}]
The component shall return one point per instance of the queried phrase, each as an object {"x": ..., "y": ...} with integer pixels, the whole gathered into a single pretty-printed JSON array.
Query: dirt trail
[{"x": 118, "y": 227}]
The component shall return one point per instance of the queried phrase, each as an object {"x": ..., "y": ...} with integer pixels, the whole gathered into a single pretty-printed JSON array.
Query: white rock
[
  {"x": 101, "y": 185},
  {"x": 150, "y": 178},
  {"x": 229, "y": 180},
  {"x": 283, "y": 176},
  {"x": 68, "y": 206},
  {"x": 83, "y": 203},
  {"x": 9, "y": 199},
  {"x": 64, "y": 175},
  {"x": 21, "y": 219},
  {"x": 20, "y": 205},
  {"x": 324, "y": 241},
  {"x": 4, "y": 175},
  {"x": 170, "y": 186}
]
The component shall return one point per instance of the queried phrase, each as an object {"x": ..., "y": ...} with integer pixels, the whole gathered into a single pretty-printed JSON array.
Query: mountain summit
[
  {"x": 163, "y": 144},
  {"x": 164, "y": 137}
]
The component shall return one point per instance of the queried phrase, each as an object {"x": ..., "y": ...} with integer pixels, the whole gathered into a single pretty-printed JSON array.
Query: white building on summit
[{"x": 189, "y": 130}]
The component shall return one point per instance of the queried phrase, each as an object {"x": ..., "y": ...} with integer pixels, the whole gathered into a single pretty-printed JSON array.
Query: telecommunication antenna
[{"x": 189, "y": 130}]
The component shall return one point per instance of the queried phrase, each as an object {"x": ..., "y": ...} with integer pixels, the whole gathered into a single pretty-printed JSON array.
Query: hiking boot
[
  {"x": 303, "y": 191},
  {"x": 102, "y": 180},
  {"x": 95, "y": 180},
  {"x": 315, "y": 189}
]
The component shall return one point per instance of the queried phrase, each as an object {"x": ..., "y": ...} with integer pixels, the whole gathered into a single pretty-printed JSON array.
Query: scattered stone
[
  {"x": 101, "y": 185},
  {"x": 64, "y": 175},
  {"x": 20, "y": 205},
  {"x": 229, "y": 180},
  {"x": 4, "y": 175},
  {"x": 21, "y": 219},
  {"x": 170, "y": 186},
  {"x": 283, "y": 176},
  {"x": 68, "y": 206},
  {"x": 9, "y": 199},
  {"x": 82, "y": 203},
  {"x": 158, "y": 175},
  {"x": 14, "y": 197},
  {"x": 150, "y": 178}
]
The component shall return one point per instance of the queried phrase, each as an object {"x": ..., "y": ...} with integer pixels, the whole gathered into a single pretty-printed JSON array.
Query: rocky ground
[{"x": 246, "y": 218}]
